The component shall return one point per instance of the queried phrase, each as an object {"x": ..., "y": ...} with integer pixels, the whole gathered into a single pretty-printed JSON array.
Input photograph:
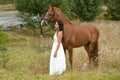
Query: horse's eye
[{"x": 50, "y": 14}]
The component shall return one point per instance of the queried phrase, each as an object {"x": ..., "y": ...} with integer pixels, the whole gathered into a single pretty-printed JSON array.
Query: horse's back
[
  {"x": 90, "y": 31},
  {"x": 89, "y": 28}
]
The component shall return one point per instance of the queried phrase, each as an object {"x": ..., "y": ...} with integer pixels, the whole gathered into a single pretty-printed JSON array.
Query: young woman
[{"x": 57, "y": 58}]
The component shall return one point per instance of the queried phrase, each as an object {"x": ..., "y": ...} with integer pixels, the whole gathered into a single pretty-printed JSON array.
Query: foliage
[
  {"x": 3, "y": 38},
  {"x": 30, "y": 6},
  {"x": 104, "y": 2},
  {"x": 30, "y": 9},
  {"x": 30, "y": 22},
  {"x": 113, "y": 10},
  {"x": 86, "y": 10},
  {"x": 6, "y": 1}
]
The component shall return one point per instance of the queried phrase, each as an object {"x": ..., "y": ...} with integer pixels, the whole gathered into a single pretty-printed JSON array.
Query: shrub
[
  {"x": 113, "y": 10},
  {"x": 3, "y": 37},
  {"x": 86, "y": 10}
]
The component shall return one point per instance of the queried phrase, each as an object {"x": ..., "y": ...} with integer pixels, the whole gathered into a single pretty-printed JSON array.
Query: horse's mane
[
  {"x": 68, "y": 21},
  {"x": 63, "y": 15}
]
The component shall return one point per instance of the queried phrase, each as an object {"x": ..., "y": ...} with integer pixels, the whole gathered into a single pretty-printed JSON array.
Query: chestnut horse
[{"x": 75, "y": 36}]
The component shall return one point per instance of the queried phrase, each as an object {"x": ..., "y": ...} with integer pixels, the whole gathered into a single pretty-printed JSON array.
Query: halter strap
[{"x": 52, "y": 15}]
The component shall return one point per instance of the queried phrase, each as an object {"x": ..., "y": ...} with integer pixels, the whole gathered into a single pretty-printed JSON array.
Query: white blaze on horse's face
[{"x": 44, "y": 22}]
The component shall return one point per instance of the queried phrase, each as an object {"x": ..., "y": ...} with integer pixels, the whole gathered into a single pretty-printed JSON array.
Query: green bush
[
  {"x": 3, "y": 37},
  {"x": 113, "y": 10},
  {"x": 6, "y": 1},
  {"x": 86, "y": 10}
]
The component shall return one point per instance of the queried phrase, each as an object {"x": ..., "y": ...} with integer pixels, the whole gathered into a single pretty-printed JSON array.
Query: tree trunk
[
  {"x": 34, "y": 34},
  {"x": 41, "y": 31}
]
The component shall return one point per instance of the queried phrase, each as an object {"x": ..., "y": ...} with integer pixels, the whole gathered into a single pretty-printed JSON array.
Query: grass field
[{"x": 28, "y": 57}]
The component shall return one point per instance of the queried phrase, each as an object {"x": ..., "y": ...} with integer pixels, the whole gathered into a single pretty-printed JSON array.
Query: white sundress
[{"x": 57, "y": 64}]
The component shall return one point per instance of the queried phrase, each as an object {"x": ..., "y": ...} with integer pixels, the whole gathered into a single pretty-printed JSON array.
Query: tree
[
  {"x": 38, "y": 8},
  {"x": 6, "y": 1},
  {"x": 86, "y": 10},
  {"x": 29, "y": 9},
  {"x": 104, "y": 2},
  {"x": 113, "y": 9},
  {"x": 31, "y": 21}
]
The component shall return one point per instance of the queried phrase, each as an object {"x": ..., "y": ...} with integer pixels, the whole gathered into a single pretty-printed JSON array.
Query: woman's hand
[{"x": 55, "y": 54}]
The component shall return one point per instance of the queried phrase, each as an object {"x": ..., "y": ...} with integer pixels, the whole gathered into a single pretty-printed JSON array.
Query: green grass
[
  {"x": 29, "y": 57},
  {"x": 65, "y": 76}
]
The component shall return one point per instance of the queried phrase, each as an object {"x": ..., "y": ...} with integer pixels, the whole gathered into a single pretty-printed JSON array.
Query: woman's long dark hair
[{"x": 61, "y": 26}]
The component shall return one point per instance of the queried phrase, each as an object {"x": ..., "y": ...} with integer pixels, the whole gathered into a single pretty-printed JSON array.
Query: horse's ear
[
  {"x": 49, "y": 7},
  {"x": 52, "y": 8}
]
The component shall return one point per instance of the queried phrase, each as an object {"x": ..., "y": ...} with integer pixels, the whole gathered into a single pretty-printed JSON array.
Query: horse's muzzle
[{"x": 44, "y": 23}]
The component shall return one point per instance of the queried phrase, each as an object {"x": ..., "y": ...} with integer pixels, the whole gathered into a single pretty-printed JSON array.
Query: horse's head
[{"x": 49, "y": 17}]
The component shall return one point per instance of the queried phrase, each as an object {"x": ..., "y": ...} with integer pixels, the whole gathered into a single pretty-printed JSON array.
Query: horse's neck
[
  {"x": 63, "y": 18},
  {"x": 68, "y": 26}
]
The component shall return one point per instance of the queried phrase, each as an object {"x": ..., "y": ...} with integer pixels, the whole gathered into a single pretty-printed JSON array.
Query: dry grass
[
  {"x": 8, "y": 7},
  {"x": 29, "y": 57}
]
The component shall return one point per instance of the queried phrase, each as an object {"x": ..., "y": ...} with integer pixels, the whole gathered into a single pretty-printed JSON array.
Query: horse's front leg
[{"x": 70, "y": 50}]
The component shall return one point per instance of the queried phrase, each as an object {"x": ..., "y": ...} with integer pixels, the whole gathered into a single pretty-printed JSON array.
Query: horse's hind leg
[
  {"x": 87, "y": 50},
  {"x": 95, "y": 57},
  {"x": 90, "y": 50},
  {"x": 93, "y": 53},
  {"x": 90, "y": 53}
]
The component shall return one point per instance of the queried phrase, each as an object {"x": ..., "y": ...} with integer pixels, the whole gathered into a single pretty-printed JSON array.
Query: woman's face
[{"x": 56, "y": 26}]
